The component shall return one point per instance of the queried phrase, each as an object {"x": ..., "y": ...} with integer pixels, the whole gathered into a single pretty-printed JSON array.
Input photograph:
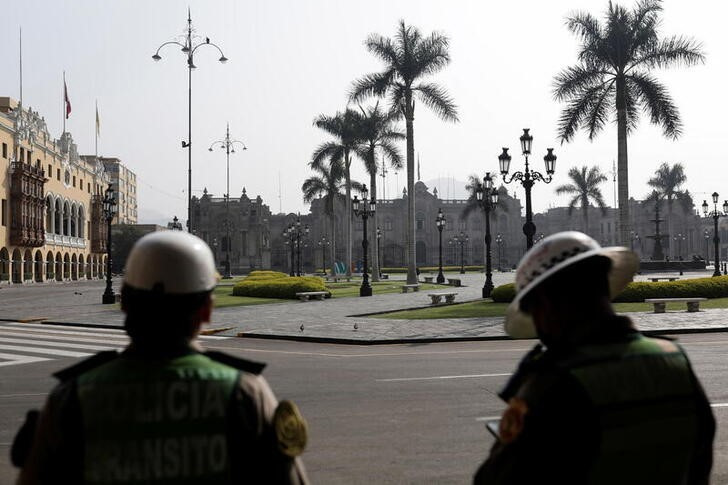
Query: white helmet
[
  {"x": 551, "y": 255},
  {"x": 171, "y": 262}
]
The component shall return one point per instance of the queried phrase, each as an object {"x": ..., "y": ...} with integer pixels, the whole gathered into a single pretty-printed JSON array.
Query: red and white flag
[{"x": 65, "y": 97}]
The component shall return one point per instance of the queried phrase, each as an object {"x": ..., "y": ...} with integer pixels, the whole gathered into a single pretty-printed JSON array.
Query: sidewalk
[{"x": 331, "y": 320}]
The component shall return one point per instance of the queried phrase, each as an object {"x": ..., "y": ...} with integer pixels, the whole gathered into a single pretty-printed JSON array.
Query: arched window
[
  {"x": 73, "y": 218},
  {"x": 58, "y": 226},
  {"x": 81, "y": 221},
  {"x": 66, "y": 218}
]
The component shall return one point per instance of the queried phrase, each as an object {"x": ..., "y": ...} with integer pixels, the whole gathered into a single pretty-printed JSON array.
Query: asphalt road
[{"x": 383, "y": 414}]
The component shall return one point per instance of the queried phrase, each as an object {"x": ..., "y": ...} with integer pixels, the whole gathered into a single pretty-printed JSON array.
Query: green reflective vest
[
  {"x": 646, "y": 400},
  {"x": 156, "y": 421}
]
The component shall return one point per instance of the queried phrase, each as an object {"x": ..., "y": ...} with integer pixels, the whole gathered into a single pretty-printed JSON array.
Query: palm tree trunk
[
  {"x": 332, "y": 237},
  {"x": 585, "y": 212},
  {"x": 622, "y": 169},
  {"x": 349, "y": 214},
  {"x": 373, "y": 244},
  {"x": 410, "y": 230},
  {"x": 670, "y": 235}
]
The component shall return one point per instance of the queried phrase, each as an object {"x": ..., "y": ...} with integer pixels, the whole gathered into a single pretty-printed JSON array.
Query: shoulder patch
[
  {"x": 291, "y": 429},
  {"x": 92, "y": 362},
  {"x": 511, "y": 423},
  {"x": 236, "y": 362}
]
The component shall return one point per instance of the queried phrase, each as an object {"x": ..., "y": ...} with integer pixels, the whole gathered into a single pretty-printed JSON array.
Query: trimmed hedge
[
  {"x": 639, "y": 291},
  {"x": 272, "y": 286},
  {"x": 504, "y": 293},
  {"x": 265, "y": 275},
  {"x": 712, "y": 287}
]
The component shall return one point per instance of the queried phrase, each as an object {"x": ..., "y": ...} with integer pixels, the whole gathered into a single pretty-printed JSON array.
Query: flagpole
[{"x": 64, "y": 102}]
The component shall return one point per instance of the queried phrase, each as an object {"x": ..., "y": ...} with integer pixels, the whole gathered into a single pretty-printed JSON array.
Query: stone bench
[
  {"x": 437, "y": 297},
  {"x": 306, "y": 295},
  {"x": 666, "y": 278},
  {"x": 336, "y": 279},
  {"x": 659, "y": 303},
  {"x": 428, "y": 279},
  {"x": 406, "y": 288},
  {"x": 453, "y": 281}
]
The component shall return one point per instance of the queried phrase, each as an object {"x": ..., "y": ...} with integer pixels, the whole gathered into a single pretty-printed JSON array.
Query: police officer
[
  {"x": 163, "y": 410},
  {"x": 595, "y": 401}
]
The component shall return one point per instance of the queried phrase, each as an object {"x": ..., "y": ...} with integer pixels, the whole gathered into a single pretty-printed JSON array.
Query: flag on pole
[
  {"x": 65, "y": 97},
  {"x": 98, "y": 121}
]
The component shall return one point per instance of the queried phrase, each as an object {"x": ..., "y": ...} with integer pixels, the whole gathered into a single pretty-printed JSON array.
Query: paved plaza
[{"x": 335, "y": 319}]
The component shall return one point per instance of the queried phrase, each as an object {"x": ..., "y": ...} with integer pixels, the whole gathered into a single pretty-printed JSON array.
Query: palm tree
[
  {"x": 327, "y": 184},
  {"x": 344, "y": 127},
  {"x": 667, "y": 182},
  {"x": 377, "y": 132},
  {"x": 408, "y": 58},
  {"x": 584, "y": 187},
  {"x": 613, "y": 78}
]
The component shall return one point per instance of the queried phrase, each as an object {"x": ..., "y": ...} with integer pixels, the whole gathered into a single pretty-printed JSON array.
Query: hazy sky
[{"x": 291, "y": 60}]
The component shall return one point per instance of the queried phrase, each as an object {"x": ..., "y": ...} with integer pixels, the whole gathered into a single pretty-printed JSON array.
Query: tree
[
  {"x": 667, "y": 182},
  {"x": 345, "y": 128},
  {"x": 614, "y": 77},
  {"x": 376, "y": 131},
  {"x": 408, "y": 57},
  {"x": 327, "y": 184},
  {"x": 584, "y": 187}
]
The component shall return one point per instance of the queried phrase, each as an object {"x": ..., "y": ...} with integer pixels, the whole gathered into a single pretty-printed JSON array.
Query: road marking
[
  {"x": 61, "y": 327},
  {"x": 64, "y": 338},
  {"x": 13, "y": 359},
  {"x": 33, "y": 329},
  {"x": 24, "y": 395},
  {"x": 45, "y": 343},
  {"x": 719, "y": 405},
  {"x": 39, "y": 350},
  {"x": 466, "y": 376}
]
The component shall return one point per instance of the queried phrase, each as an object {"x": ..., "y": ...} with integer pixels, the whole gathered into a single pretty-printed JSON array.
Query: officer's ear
[{"x": 204, "y": 314}]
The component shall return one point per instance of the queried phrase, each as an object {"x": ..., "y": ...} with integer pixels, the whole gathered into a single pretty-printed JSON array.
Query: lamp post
[
  {"x": 706, "y": 235},
  {"x": 188, "y": 47},
  {"x": 379, "y": 250},
  {"x": 175, "y": 225},
  {"x": 440, "y": 222},
  {"x": 715, "y": 214},
  {"x": 364, "y": 210},
  {"x": 499, "y": 243},
  {"x": 228, "y": 145},
  {"x": 527, "y": 178},
  {"x": 323, "y": 243},
  {"x": 109, "y": 213},
  {"x": 300, "y": 233},
  {"x": 487, "y": 196},
  {"x": 460, "y": 239},
  {"x": 290, "y": 237},
  {"x": 679, "y": 238}
]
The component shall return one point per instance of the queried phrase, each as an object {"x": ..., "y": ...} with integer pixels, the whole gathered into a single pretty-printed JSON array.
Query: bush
[
  {"x": 265, "y": 275},
  {"x": 272, "y": 286},
  {"x": 716, "y": 287},
  {"x": 504, "y": 293},
  {"x": 639, "y": 291}
]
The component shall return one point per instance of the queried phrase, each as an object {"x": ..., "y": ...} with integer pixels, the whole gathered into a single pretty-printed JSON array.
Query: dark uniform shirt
[
  {"x": 601, "y": 413},
  {"x": 252, "y": 450}
]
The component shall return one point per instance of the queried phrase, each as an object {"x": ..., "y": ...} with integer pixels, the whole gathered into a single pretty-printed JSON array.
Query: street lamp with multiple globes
[
  {"x": 364, "y": 210},
  {"x": 440, "y": 222},
  {"x": 175, "y": 225},
  {"x": 323, "y": 243},
  {"x": 499, "y": 242},
  {"x": 379, "y": 250},
  {"x": 290, "y": 240},
  {"x": 706, "y": 235},
  {"x": 188, "y": 47},
  {"x": 679, "y": 238},
  {"x": 460, "y": 239},
  {"x": 293, "y": 233},
  {"x": 487, "y": 196},
  {"x": 109, "y": 202},
  {"x": 228, "y": 145},
  {"x": 527, "y": 178},
  {"x": 715, "y": 214}
]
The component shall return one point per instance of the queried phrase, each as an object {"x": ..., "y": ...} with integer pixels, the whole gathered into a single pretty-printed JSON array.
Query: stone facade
[
  {"x": 50, "y": 224},
  {"x": 249, "y": 220}
]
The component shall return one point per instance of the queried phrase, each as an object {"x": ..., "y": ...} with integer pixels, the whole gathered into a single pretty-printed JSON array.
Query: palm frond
[
  {"x": 431, "y": 54},
  {"x": 576, "y": 79},
  {"x": 392, "y": 153},
  {"x": 585, "y": 26},
  {"x": 329, "y": 150},
  {"x": 383, "y": 48},
  {"x": 437, "y": 99},
  {"x": 577, "y": 109},
  {"x": 675, "y": 50},
  {"x": 370, "y": 85},
  {"x": 656, "y": 101}
]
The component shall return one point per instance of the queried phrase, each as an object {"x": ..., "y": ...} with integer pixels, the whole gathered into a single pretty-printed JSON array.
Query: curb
[{"x": 349, "y": 341}]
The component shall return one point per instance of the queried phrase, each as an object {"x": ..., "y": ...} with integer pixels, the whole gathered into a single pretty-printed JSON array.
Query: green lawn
[
  {"x": 487, "y": 308},
  {"x": 224, "y": 297}
]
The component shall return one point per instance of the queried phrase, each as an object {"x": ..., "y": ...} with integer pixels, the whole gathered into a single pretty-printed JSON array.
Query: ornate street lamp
[
  {"x": 715, "y": 214},
  {"x": 460, "y": 239},
  {"x": 679, "y": 238},
  {"x": 293, "y": 233},
  {"x": 189, "y": 45},
  {"x": 323, "y": 243},
  {"x": 290, "y": 237},
  {"x": 379, "y": 250},
  {"x": 364, "y": 210},
  {"x": 487, "y": 196},
  {"x": 109, "y": 213},
  {"x": 228, "y": 145},
  {"x": 175, "y": 225},
  {"x": 440, "y": 222},
  {"x": 706, "y": 235},
  {"x": 499, "y": 242},
  {"x": 527, "y": 178}
]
